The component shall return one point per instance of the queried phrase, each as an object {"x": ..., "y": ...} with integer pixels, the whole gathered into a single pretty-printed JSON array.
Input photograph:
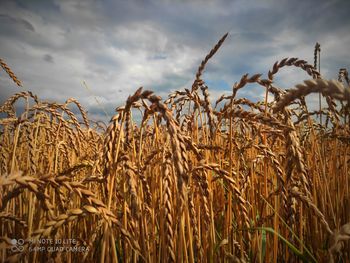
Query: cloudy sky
[{"x": 117, "y": 46}]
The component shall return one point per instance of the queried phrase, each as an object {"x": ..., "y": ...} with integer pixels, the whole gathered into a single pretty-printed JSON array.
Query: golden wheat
[{"x": 191, "y": 182}]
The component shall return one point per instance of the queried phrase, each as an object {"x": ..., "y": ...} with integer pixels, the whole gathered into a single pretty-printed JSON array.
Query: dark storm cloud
[
  {"x": 117, "y": 46},
  {"x": 9, "y": 21},
  {"x": 48, "y": 58}
]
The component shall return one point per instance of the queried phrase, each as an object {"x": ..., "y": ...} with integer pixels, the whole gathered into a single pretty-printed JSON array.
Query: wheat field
[{"x": 193, "y": 180}]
